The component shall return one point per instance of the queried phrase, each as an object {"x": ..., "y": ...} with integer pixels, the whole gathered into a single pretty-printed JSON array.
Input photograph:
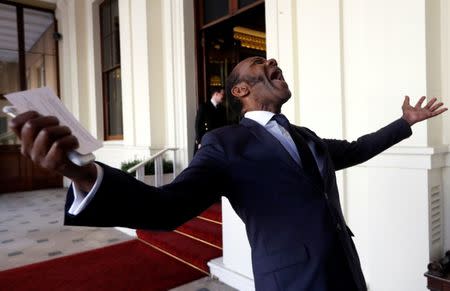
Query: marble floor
[
  {"x": 32, "y": 230},
  {"x": 204, "y": 284}
]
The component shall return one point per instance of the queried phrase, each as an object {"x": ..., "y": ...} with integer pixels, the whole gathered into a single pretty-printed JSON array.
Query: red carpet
[
  {"x": 213, "y": 213},
  {"x": 130, "y": 266},
  {"x": 196, "y": 242},
  {"x": 145, "y": 264},
  {"x": 186, "y": 249},
  {"x": 203, "y": 230}
]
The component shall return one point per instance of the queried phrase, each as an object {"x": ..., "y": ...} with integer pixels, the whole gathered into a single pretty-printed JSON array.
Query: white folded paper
[{"x": 44, "y": 101}]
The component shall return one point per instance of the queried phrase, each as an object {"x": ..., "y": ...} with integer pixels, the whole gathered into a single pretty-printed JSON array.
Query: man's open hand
[{"x": 418, "y": 113}]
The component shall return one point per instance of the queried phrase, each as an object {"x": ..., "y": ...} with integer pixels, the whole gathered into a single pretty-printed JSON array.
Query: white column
[
  {"x": 180, "y": 93},
  {"x": 391, "y": 199},
  {"x": 140, "y": 50},
  {"x": 67, "y": 47},
  {"x": 281, "y": 42}
]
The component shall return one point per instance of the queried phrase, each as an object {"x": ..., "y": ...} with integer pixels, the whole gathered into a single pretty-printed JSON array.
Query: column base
[{"x": 230, "y": 277}]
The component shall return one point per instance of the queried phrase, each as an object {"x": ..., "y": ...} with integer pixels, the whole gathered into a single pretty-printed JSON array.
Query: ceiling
[{"x": 35, "y": 24}]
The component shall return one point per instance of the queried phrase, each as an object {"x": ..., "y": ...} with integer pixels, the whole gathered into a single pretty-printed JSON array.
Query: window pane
[
  {"x": 40, "y": 49},
  {"x": 105, "y": 15},
  {"x": 39, "y": 30},
  {"x": 8, "y": 28},
  {"x": 114, "y": 103},
  {"x": 106, "y": 53},
  {"x": 9, "y": 64},
  {"x": 9, "y": 71},
  {"x": 243, "y": 3},
  {"x": 114, "y": 10},
  {"x": 9, "y": 55},
  {"x": 115, "y": 32},
  {"x": 214, "y": 9}
]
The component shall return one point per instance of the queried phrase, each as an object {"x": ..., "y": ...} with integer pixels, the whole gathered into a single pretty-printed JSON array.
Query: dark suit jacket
[
  {"x": 295, "y": 225},
  {"x": 208, "y": 118}
]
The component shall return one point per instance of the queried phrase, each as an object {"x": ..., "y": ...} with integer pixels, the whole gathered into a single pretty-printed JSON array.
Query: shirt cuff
[{"x": 82, "y": 199}]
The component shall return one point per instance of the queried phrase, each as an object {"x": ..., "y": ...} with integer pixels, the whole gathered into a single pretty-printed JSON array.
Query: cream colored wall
[
  {"x": 445, "y": 83},
  {"x": 349, "y": 64}
]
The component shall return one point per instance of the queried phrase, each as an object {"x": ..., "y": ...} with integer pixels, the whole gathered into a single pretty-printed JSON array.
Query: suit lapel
[
  {"x": 320, "y": 149},
  {"x": 270, "y": 142}
]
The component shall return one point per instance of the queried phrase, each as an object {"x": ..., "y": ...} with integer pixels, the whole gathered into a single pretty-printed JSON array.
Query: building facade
[{"x": 349, "y": 64}]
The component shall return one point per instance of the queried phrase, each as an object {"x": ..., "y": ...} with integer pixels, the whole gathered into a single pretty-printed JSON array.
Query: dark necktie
[{"x": 308, "y": 162}]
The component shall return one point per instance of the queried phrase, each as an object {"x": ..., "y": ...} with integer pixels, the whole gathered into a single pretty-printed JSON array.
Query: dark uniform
[{"x": 208, "y": 118}]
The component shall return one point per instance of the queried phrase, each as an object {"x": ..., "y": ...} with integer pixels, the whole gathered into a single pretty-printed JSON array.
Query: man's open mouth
[{"x": 276, "y": 75}]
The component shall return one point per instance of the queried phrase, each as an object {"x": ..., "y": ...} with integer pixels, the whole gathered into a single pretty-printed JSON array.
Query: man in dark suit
[
  {"x": 279, "y": 178},
  {"x": 210, "y": 115}
]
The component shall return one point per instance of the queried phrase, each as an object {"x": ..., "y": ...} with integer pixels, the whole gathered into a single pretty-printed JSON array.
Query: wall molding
[
  {"x": 426, "y": 158},
  {"x": 229, "y": 276}
]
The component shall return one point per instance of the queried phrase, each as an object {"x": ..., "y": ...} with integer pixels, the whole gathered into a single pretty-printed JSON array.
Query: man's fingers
[
  {"x": 419, "y": 103},
  {"x": 44, "y": 140},
  {"x": 406, "y": 101},
  {"x": 31, "y": 129},
  {"x": 430, "y": 103},
  {"x": 437, "y": 112},
  {"x": 17, "y": 122},
  {"x": 56, "y": 158},
  {"x": 436, "y": 106}
]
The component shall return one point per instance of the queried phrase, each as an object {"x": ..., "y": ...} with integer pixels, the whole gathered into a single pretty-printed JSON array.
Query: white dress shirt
[
  {"x": 81, "y": 199},
  {"x": 278, "y": 131},
  {"x": 283, "y": 136}
]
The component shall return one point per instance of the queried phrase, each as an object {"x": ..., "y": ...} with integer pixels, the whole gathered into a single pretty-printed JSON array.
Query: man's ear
[{"x": 240, "y": 90}]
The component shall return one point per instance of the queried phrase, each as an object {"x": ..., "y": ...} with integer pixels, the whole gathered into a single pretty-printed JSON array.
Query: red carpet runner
[
  {"x": 157, "y": 261},
  {"x": 194, "y": 243},
  {"x": 127, "y": 266}
]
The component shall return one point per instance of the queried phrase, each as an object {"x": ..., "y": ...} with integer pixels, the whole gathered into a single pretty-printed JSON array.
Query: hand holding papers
[{"x": 45, "y": 102}]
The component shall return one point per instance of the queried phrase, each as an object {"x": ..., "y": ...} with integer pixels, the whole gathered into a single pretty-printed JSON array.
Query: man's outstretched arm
[
  {"x": 346, "y": 154},
  {"x": 120, "y": 199}
]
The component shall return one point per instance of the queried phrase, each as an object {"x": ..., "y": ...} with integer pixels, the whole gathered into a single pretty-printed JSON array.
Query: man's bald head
[{"x": 258, "y": 84}]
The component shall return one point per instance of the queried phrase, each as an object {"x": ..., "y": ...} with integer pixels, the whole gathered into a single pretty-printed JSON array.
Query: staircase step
[
  {"x": 203, "y": 230},
  {"x": 190, "y": 251},
  {"x": 213, "y": 213}
]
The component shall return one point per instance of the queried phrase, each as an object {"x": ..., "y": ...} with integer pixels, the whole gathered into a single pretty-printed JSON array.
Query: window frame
[
  {"x": 21, "y": 42},
  {"x": 233, "y": 9},
  {"x": 105, "y": 71}
]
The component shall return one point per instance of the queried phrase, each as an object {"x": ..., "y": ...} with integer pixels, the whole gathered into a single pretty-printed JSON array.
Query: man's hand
[
  {"x": 419, "y": 113},
  {"x": 47, "y": 143}
]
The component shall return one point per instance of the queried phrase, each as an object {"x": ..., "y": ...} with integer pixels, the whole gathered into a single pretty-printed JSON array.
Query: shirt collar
[
  {"x": 214, "y": 103},
  {"x": 260, "y": 116}
]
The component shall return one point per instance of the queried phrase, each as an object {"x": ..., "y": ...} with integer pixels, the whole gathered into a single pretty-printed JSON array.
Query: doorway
[
  {"x": 227, "y": 32},
  {"x": 28, "y": 59}
]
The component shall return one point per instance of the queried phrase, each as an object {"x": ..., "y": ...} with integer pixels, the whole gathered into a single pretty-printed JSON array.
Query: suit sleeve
[
  {"x": 121, "y": 200},
  {"x": 345, "y": 154}
]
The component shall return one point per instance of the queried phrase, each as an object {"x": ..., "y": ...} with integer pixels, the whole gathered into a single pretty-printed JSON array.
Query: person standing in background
[{"x": 210, "y": 115}]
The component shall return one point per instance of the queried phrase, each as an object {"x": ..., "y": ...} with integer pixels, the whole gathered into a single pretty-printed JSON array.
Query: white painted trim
[
  {"x": 230, "y": 277},
  {"x": 128, "y": 231},
  {"x": 411, "y": 158},
  {"x": 417, "y": 150},
  {"x": 65, "y": 14}
]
